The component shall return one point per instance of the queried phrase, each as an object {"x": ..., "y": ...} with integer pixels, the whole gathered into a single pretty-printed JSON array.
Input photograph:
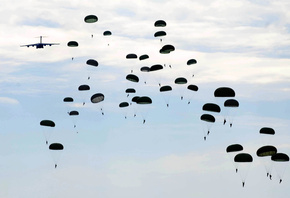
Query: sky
[{"x": 241, "y": 44}]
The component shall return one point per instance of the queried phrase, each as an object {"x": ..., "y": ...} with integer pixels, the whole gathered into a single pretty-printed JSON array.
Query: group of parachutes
[{"x": 225, "y": 94}]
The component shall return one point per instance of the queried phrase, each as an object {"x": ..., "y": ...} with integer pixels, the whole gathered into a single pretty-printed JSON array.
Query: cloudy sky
[{"x": 242, "y": 44}]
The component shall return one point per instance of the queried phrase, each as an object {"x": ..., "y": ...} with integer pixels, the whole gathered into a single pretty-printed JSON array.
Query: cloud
[{"x": 6, "y": 100}]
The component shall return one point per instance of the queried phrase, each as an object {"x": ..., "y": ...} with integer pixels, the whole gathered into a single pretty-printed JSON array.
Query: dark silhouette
[
  {"x": 144, "y": 121},
  {"x": 40, "y": 44},
  {"x": 46, "y": 142},
  {"x": 243, "y": 184},
  {"x": 225, "y": 121},
  {"x": 207, "y": 132},
  {"x": 231, "y": 124},
  {"x": 55, "y": 165},
  {"x": 280, "y": 181},
  {"x": 204, "y": 138},
  {"x": 236, "y": 170}
]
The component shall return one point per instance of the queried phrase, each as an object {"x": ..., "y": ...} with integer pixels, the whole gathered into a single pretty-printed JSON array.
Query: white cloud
[{"x": 7, "y": 100}]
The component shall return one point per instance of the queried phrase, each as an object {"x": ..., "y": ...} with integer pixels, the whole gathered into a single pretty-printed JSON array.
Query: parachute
[
  {"x": 166, "y": 49},
  {"x": 267, "y": 131},
  {"x": 56, "y": 149},
  {"x": 141, "y": 101},
  {"x": 122, "y": 105},
  {"x": 166, "y": 90},
  {"x": 224, "y": 92},
  {"x": 156, "y": 67},
  {"x": 131, "y": 56},
  {"x": 191, "y": 62},
  {"x": 107, "y": 33},
  {"x": 47, "y": 128},
  {"x": 84, "y": 88},
  {"x": 91, "y": 19},
  {"x": 160, "y": 23},
  {"x": 143, "y": 57},
  {"x": 132, "y": 78},
  {"x": 159, "y": 34},
  {"x": 192, "y": 88},
  {"x": 130, "y": 90},
  {"x": 211, "y": 107},
  {"x": 98, "y": 97},
  {"x": 72, "y": 44},
  {"x": 243, "y": 162},
  {"x": 234, "y": 148},
  {"x": 208, "y": 120},
  {"x": 68, "y": 99},
  {"x": 281, "y": 161},
  {"x": 73, "y": 114},
  {"x": 231, "y": 151},
  {"x": 264, "y": 153},
  {"x": 92, "y": 62},
  {"x": 231, "y": 106},
  {"x": 144, "y": 100},
  {"x": 180, "y": 81},
  {"x": 266, "y": 134},
  {"x": 47, "y": 123}
]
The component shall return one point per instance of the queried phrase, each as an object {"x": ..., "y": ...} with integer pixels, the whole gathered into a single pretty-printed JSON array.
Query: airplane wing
[
  {"x": 30, "y": 45},
  {"x": 50, "y": 44}
]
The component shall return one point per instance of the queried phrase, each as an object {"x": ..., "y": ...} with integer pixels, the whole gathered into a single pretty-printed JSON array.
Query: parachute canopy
[
  {"x": 131, "y": 56},
  {"x": 211, "y": 107},
  {"x": 68, "y": 99},
  {"x": 130, "y": 90},
  {"x": 92, "y": 62},
  {"x": 234, "y": 148},
  {"x": 192, "y": 87},
  {"x": 191, "y": 62},
  {"x": 72, "y": 44},
  {"x": 143, "y": 57},
  {"x": 243, "y": 157},
  {"x": 84, "y": 88},
  {"x": 156, "y": 67},
  {"x": 98, "y": 97},
  {"x": 132, "y": 77},
  {"x": 91, "y": 19},
  {"x": 231, "y": 103},
  {"x": 280, "y": 157},
  {"x": 135, "y": 98},
  {"x": 166, "y": 49},
  {"x": 123, "y": 104},
  {"x": 73, "y": 113},
  {"x": 267, "y": 130},
  {"x": 56, "y": 146},
  {"x": 207, "y": 118},
  {"x": 165, "y": 88},
  {"x": 107, "y": 33},
  {"x": 144, "y": 100},
  {"x": 265, "y": 151},
  {"x": 180, "y": 80},
  {"x": 224, "y": 92},
  {"x": 145, "y": 69},
  {"x": 160, "y": 23},
  {"x": 47, "y": 123},
  {"x": 160, "y": 33}
]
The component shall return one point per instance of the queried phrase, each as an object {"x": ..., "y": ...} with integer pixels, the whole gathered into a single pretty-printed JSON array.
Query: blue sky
[{"x": 238, "y": 44}]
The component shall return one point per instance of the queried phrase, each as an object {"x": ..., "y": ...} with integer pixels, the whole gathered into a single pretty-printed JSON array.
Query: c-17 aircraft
[{"x": 40, "y": 44}]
